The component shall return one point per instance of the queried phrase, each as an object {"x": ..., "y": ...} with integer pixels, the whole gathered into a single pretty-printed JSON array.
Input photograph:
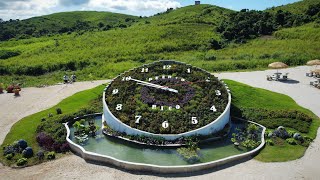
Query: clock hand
[{"x": 154, "y": 85}]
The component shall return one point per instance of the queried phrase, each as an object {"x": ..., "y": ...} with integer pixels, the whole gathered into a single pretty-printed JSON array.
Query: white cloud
[
  {"x": 22, "y": 9},
  {"x": 136, "y": 7}
]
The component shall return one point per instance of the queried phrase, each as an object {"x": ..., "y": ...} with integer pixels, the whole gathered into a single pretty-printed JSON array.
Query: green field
[{"x": 186, "y": 34}]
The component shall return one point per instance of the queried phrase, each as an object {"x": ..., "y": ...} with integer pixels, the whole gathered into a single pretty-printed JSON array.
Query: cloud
[
  {"x": 22, "y": 9},
  {"x": 3, "y": 5},
  {"x": 73, "y": 2},
  {"x": 135, "y": 6}
]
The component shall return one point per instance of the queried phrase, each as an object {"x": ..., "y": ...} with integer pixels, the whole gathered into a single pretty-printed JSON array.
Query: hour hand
[{"x": 154, "y": 85}]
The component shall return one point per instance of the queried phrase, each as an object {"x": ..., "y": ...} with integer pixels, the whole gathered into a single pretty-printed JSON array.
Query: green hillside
[
  {"x": 64, "y": 22},
  {"x": 298, "y": 7},
  {"x": 187, "y": 34}
]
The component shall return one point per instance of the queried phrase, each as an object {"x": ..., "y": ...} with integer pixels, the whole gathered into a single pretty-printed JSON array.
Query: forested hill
[
  {"x": 82, "y": 21},
  {"x": 299, "y": 7},
  {"x": 98, "y": 45},
  {"x": 65, "y": 22}
]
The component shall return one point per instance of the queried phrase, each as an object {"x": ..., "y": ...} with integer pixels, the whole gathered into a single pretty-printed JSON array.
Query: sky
[{"x": 23, "y": 9}]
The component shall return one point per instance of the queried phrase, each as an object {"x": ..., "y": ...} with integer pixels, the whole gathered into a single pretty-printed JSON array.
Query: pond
[{"x": 131, "y": 152}]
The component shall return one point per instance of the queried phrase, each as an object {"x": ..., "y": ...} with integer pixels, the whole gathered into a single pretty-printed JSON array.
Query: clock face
[{"x": 166, "y": 97}]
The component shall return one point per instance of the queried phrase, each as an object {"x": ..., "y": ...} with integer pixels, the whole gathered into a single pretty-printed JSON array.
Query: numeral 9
[{"x": 115, "y": 91}]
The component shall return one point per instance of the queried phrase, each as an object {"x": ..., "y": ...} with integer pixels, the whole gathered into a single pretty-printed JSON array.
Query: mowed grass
[
  {"x": 250, "y": 97},
  {"x": 26, "y": 127},
  {"x": 282, "y": 153}
]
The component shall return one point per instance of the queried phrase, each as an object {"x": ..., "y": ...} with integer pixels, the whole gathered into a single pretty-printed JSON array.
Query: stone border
[{"x": 91, "y": 156}]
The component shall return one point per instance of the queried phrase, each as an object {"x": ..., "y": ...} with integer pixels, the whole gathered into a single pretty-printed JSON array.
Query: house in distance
[{"x": 197, "y": 2}]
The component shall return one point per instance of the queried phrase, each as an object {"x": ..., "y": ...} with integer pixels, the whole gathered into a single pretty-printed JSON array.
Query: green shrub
[
  {"x": 189, "y": 154},
  {"x": 22, "y": 161},
  {"x": 59, "y": 111},
  {"x": 51, "y": 155},
  {"x": 270, "y": 142},
  {"x": 291, "y": 133},
  {"x": 291, "y": 141},
  {"x": 5, "y": 54},
  {"x": 9, "y": 156},
  {"x": 250, "y": 144}
]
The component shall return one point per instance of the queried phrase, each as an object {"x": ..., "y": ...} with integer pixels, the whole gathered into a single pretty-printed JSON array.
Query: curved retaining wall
[
  {"x": 160, "y": 169},
  {"x": 211, "y": 128}
]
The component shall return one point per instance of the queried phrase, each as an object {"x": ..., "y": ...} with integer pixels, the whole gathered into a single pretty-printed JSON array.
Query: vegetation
[
  {"x": 247, "y": 137},
  {"x": 262, "y": 106},
  {"x": 65, "y": 22},
  {"x": 186, "y": 34},
  {"x": 245, "y": 24},
  {"x": 191, "y": 155},
  {"x": 50, "y": 130}
]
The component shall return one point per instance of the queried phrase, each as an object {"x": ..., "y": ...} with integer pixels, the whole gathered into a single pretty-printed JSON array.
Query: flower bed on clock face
[{"x": 197, "y": 94}]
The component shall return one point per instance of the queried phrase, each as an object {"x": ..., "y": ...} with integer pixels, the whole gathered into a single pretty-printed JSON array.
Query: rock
[
  {"x": 22, "y": 144},
  {"x": 297, "y": 136},
  {"x": 281, "y": 132},
  {"x": 27, "y": 152}
]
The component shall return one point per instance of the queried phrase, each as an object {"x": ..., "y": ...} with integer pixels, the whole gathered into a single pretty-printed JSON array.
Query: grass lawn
[
  {"x": 278, "y": 153},
  {"x": 243, "y": 96},
  {"x": 26, "y": 127},
  {"x": 250, "y": 97}
]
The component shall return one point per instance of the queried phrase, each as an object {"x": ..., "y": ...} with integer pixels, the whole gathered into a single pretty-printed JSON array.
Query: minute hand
[{"x": 154, "y": 85}]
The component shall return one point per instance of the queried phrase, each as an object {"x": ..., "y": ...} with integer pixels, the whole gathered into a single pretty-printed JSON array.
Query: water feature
[{"x": 131, "y": 152}]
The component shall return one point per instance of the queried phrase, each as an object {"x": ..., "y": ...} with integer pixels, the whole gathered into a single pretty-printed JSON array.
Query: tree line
[{"x": 249, "y": 24}]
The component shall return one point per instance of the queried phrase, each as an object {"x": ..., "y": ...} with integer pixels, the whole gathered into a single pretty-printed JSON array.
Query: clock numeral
[
  {"x": 218, "y": 93},
  {"x": 126, "y": 78},
  {"x": 115, "y": 91},
  {"x": 119, "y": 107},
  {"x": 177, "y": 106},
  {"x": 144, "y": 70},
  {"x": 213, "y": 108},
  {"x": 188, "y": 70},
  {"x": 167, "y": 67},
  {"x": 138, "y": 117},
  {"x": 165, "y": 124},
  {"x": 194, "y": 120},
  {"x": 154, "y": 106}
]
